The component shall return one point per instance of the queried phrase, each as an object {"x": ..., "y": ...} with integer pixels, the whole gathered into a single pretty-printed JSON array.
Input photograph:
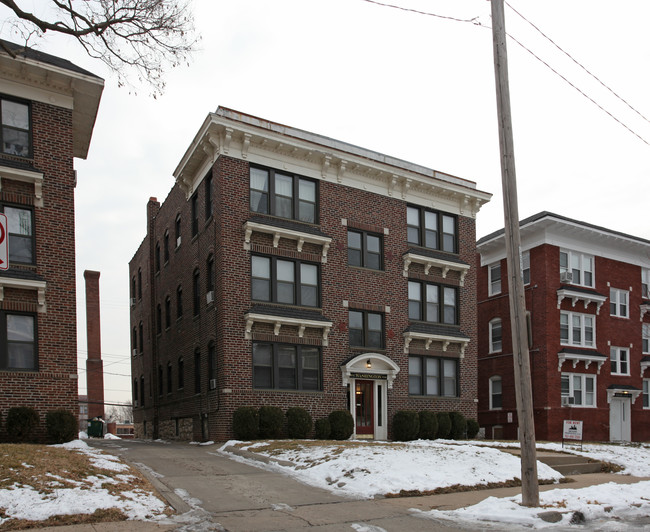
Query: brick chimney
[{"x": 94, "y": 365}]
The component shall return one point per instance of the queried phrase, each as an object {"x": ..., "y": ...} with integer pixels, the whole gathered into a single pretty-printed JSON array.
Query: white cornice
[
  {"x": 324, "y": 159},
  {"x": 25, "y": 284},
  {"x": 26, "y": 176},
  {"x": 278, "y": 321}
]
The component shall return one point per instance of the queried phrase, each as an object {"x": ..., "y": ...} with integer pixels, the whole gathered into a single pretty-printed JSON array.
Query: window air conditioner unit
[
  {"x": 209, "y": 297},
  {"x": 133, "y": 301},
  {"x": 566, "y": 277},
  {"x": 135, "y": 352},
  {"x": 567, "y": 400},
  {"x": 213, "y": 384},
  {"x": 178, "y": 241}
]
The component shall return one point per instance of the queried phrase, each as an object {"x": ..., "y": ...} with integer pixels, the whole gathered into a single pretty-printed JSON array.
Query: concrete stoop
[{"x": 570, "y": 464}]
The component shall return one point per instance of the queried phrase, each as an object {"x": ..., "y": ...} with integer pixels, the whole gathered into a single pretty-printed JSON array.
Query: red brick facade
[
  {"x": 38, "y": 366},
  {"x": 611, "y": 261},
  {"x": 232, "y": 321}
]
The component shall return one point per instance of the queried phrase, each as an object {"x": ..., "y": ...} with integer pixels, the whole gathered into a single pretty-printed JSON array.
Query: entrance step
[{"x": 567, "y": 464}]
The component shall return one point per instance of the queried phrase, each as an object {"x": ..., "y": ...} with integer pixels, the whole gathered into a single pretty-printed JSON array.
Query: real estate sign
[{"x": 572, "y": 430}]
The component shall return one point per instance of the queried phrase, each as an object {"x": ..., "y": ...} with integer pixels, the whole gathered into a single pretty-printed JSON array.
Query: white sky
[{"x": 408, "y": 85}]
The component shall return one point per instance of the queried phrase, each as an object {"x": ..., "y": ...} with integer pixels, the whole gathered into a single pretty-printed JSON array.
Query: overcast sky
[{"x": 412, "y": 86}]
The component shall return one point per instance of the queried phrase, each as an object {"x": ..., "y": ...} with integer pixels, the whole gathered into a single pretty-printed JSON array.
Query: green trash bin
[{"x": 95, "y": 428}]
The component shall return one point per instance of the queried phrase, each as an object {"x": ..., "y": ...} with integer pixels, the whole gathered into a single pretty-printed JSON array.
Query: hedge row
[
  {"x": 268, "y": 422},
  {"x": 22, "y": 423},
  {"x": 410, "y": 425}
]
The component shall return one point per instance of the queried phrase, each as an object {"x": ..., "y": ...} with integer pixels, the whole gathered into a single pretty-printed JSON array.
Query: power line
[
  {"x": 471, "y": 20},
  {"x": 579, "y": 64}
]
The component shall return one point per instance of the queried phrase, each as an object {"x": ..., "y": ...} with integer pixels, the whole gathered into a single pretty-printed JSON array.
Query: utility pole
[{"x": 520, "y": 354}]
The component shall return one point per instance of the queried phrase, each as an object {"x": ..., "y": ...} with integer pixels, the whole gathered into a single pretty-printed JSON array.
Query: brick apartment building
[
  {"x": 47, "y": 109},
  {"x": 286, "y": 268},
  {"x": 587, "y": 296}
]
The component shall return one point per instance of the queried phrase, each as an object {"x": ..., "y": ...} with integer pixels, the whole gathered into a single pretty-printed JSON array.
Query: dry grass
[{"x": 47, "y": 469}]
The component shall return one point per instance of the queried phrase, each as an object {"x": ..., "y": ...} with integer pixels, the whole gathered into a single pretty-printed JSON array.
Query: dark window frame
[
  {"x": 31, "y": 238},
  {"x": 157, "y": 257},
  {"x": 5, "y": 341},
  {"x": 181, "y": 373},
  {"x": 179, "y": 302},
  {"x": 169, "y": 378},
  {"x": 158, "y": 319},
  {"x": 166, "y": 246},
  {"x": 423, "y": 376},
  {"x": 29, "y": 130},
  {"x": 270, "y": 203},
  {"x": 197, "y": 371},
  {"x": 365, "y": 330},
  {"x": 299, "y": 369},
  {"x": 272, "y": 281},
  {"x": 209, "y": 273},
  {"x": 364, "y": 254},
  {"x": 194, "y": 208},
  {"x": 196, "y": 292},
  {"x": 168, "y": 312},
  {"x": 139, "y": 283},
  {"x": 178, "y": 230},
  {"x": 440, "y": 234},
  {"x": 423, "y": 316},
  {"x": 208, "y": 195}
]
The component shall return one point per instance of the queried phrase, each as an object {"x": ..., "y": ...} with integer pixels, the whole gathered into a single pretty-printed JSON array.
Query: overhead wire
[{"x": 475, "y": 21}]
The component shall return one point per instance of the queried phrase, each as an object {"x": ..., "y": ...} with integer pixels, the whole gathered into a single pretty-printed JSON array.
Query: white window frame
[
  {"x": 645, "y": 333},
  {"x": 579, "y": 259},
  {"x": 583, "y": 318},
  {"x": 525, "y": 267},
  {"x": 618, "y": 360},
  {"x": 494, "y": 346},
  {"x": 494, "y": 285},
  {"x": 646, "y": 394},
  {"x": 492, "y": 380},
  {"x": 583, "y": 387},
  {"x": 619, "y": 303},
  {"x": 645, "y": 283}
]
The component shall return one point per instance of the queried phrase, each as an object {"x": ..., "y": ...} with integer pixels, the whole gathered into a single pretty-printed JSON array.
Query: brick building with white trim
[
  {"x": 48, "y": 108},
  {"x": 587, "y": 296},
  {"x": 290, "y": 269}
]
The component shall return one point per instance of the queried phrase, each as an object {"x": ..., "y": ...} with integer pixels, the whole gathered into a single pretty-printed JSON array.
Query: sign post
[
  {"x": 4, "y": 243},
  {"x": 572, "y": 431}
]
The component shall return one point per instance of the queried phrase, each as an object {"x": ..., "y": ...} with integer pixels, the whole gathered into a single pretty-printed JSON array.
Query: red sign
[{"x": 4, "y": 243}]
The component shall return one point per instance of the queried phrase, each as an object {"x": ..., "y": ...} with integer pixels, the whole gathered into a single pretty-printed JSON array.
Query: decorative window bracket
[
  {"x": 575, "y": 358},
  {"x": 25, "y": 176},
  {"x": 575, "y": 296},
  {"x": 279, "y": 321},
  {"x": 279, "y": 232},
  {"x": 430, "y": 338},
  {"x": 429, "y": 262},
  {"x": 25, "y": 284},
  {"x": 644, "y": 310}
]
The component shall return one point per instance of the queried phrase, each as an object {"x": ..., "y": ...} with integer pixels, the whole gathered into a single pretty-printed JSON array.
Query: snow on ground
[
  {"x": 370, "y": 469},
  {"x": 25, "y": 502}
]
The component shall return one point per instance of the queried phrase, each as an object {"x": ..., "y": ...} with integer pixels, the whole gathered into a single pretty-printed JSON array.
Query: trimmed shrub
[
  {"x": 444, "y": 425},
  {"x": 298, "y": 423},
  {"x": 341, "y": 425},
  {"x": 406, "y": 425},
  {"x": 428, "y": 425},
  {"x": 21, "y": 422},
  {"x": 472, "y": 428},
  {"x": 271, "y": 421},
  {"x": 246, "y": 423},
  {"x": 458, "y": 426},
  {"x": 61, "y": 426},
  {"x": 322, "y": 429}
]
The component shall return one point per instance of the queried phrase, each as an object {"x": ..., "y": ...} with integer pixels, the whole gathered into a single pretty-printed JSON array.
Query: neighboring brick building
[
  {"x": 587, "y": 295},
  {"x": 281, "y": 270},
  {"x": 47, "y": 110}
]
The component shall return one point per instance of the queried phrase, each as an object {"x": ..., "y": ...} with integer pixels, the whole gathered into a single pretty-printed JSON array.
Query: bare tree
[
  {"x": 146, "y": 35},
  {"x": 120, "y": 413}
]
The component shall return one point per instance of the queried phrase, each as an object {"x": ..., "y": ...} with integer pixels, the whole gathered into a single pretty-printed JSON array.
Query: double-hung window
[
  {"x": 645, "y": 283},
  {"x": 496, "y": 337},
  {"x": 279, "y": 280},
  {"x": 366, "y": 329},
  {"x": 646, "y": 338},
  {"x": 208, "y": 195},
  {"x": 19, "y": 350},
  {"x": 194, "y": 203},
  {"x": 433, "y": 303},
  {"x": 365, "y": 249},
  {"x": 620, "y": 360},
  {"x": 494, "y": 279},
  {"x": 580, "y": 389},
  {"x": 619, "y": 303},
  {"x": 16, "y": 128},
  {"x": 432, "y": 229},
  {"x": 283, "y": 194},
  {"x": 286, "y": 366},
  {"x": 646, "y": 393},
  {"x": 525, "y": 267},
  {"x": 577, "y": 329},
  {"x": 577, "y": 268},
  {"x": 496, "y": 393},
  {"x": 20, "y": 226},
  {"x": 433, "y": 376}
]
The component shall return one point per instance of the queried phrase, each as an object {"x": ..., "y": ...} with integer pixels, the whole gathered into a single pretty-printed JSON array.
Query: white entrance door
[{"x": 620, "y": 428}]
